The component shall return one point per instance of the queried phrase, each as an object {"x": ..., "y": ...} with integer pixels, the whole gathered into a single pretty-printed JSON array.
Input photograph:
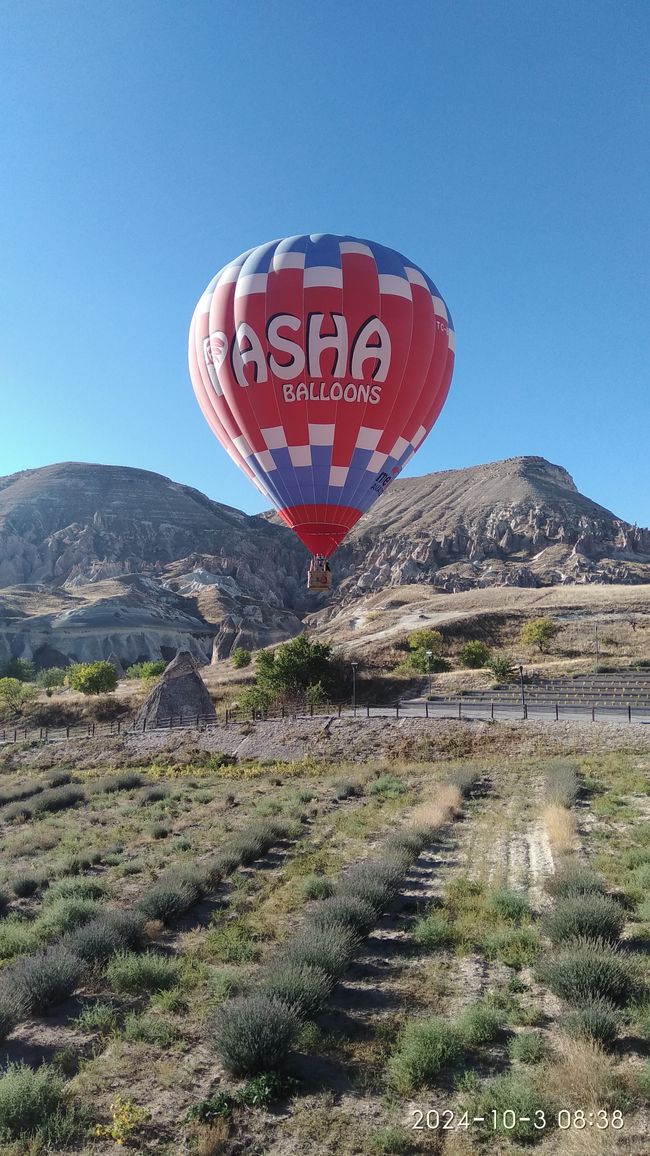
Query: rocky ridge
[{"x": 99, "y": 561}]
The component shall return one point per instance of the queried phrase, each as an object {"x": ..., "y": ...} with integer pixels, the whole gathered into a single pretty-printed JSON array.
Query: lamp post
[
  {"x": 523, "y": 693},
  {"x": 429, "y": 654},
  {"x": 354, "y": 666}
]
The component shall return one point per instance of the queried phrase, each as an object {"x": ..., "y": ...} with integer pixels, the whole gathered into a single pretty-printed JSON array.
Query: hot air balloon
[{"x": 321, "y": 363}]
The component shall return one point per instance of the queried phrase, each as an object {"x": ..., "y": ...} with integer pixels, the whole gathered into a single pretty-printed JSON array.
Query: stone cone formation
[
  {"x": 116, "y": 664},
  {"x": 181, "y": 694}
]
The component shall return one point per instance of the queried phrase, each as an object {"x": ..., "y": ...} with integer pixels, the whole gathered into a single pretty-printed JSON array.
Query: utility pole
[
  {"x": 429, "y": 656},
  {"x": 597, "y": 647},
  {"x": 354, "y": 687},
  {"x": 523, "y": 693}
]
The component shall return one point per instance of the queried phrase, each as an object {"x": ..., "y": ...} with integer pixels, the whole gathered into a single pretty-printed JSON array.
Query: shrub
[
  {"x": 387, "y": 785},
  {"x": 346, "y": 789},
  {"x": 92, "y": 677},
  {"x": 515, "y": 946},
  {"x": 586, "y": 971},
  {"x": 433, "y": 931},
  {"x": 168, "y": 899},
  {"x": 52, "y": 677},
  {"x": 516, "y": 1093},
  {"x": 97, "y": 1017},
  {"x": 303, "y": 987},
  {"x": 316, "y": 887},
  {"x": 343, "y": 911},
  {"x": 474, "y": 654},
  {"x": 574, "y": 879},
  {"x": 465, "y": 779},
  {"x": 122, "y": 781},
  {"x": 74, "y": 889},
  {"x": 159, "y": 830},
  {"x": 585, "y": 917},
  {"x": 527, "y": 1047},
  {"x": 478, "y": 1024},
  {"x": 411, "y": 842},
  {"x": 509, "y": 905},
  {"x": 539, "y": 632},
  {"x": 424, "y": 640},
  {"x": 502, "y": 667},
  {"x": 58, "y": 799},
  {"x": 33, "y": 1103},
  {"x": 4, "y": 904},
  {"x": 15, "y": 697},
  {"x": 240, "y": 657},
  {"x": 254, "y": 1033},
  {"x": 146, "y": 669},
  {"x": 53, "y": 714},
  {"x": 151, "y": 1029},
  {"x": 36, "y": 982},
  {"x": 392, "y": 1141},
  {"x": 153, "y": 795},
  {"x": 65, "y": 914},
  {"x": 562, "y": 783},
  {"x": 424, "y": 1049},
  {"x": 24, "y": 886},
  {"x": 17, "y": 935},
  {"x": 377, "y": 881},
  {"x": 148, "y": 972},
  {"x": 330, "y": 948},
  {"x": 102, "y": 937},
  {"x": 595, "y": 1019},
  {"x": 21, "y": 669}
]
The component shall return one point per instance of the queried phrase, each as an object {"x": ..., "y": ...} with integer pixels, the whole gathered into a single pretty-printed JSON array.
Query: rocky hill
[
  {"x": 101, "y": 559},
  {"x": 520, "y": 522}
]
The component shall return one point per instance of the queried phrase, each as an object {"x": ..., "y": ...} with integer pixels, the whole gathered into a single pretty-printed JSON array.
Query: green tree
[
  {"x": 21, "y": 669},
  {"x": 539, "y": 632},
  {"x": 146, "y": 669},
  {"x": 295, "y": 665},
  {"x": 474, "y": 654},
  {"x": 426, "y": 640},
  {"x": 240, "y": 658},
  {"x": 93, "y": 677},
  {"x": 502, "y": 667},
  {"x": 15, "y": 697},
  {"x": 53, "y": 676}
]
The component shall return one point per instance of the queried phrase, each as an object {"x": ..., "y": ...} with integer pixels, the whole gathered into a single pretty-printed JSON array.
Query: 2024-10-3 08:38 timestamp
[{"x": 507, "y": 1120}]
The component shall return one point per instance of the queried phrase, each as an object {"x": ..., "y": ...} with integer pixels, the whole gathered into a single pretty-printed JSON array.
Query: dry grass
[
  {"x": 439, "y": 811},
  {"x": 581, "y": 1075},
  {"x": 211, "y": 1139},
  {"x": 561, "y": 828}
]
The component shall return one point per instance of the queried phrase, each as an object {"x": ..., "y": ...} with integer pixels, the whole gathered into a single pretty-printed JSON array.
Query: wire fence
[{"x": 439, "y": 708}]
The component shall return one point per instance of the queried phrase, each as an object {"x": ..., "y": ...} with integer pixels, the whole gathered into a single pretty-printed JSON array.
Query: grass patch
[
  {"x": 509, "y": 905},
  {"x": 515, "y": 946},
  {"x": 130, "y": 972},
  {"x": 425, "y": 1047},
  {"x": 150, "y": 1029},
  {"x": 34, "y": 1106},
  {"x": 97, "y": 1017},
  {"x": 511, "y": 1097},
  {"x": 527, "y": 1048},
  {"x": 433, "y": 931},
  {"x": 478, "y": 1024},
  {"x": 572, "y": 880},
  {"x": 316, "y": 887}
]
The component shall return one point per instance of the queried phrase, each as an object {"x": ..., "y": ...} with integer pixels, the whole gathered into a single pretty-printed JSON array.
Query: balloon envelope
[{"x": 321, "y": 363}]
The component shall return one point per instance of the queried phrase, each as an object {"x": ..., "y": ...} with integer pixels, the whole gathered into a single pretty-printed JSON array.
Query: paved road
[{"x": 476, "y": 710}]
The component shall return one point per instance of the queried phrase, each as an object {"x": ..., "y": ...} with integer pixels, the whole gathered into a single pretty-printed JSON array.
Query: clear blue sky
[{"x": 502, "y": 145}]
